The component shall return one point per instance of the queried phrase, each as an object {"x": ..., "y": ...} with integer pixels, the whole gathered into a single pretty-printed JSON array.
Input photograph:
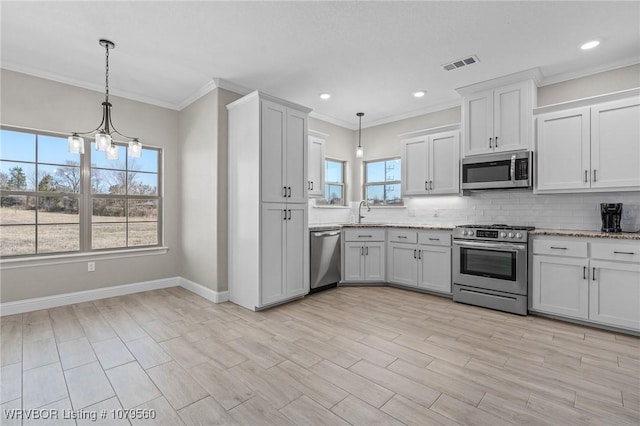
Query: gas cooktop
[{"x": 499, "y": 226}]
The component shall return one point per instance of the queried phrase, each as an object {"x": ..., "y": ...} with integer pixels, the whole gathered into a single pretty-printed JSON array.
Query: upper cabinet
[
  {"x": 591, "y": 148},
  {"x": 431, "y": 162},
  {"x": 498, "y": 120},
  {"x": 315, "y": 184}
]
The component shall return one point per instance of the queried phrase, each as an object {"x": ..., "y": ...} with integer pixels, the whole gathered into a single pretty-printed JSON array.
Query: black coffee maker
[{"x": 611, "y": 214}]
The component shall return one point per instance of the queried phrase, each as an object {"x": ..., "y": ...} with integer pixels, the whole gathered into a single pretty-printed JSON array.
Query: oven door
[{"x": 491, "y": 265}]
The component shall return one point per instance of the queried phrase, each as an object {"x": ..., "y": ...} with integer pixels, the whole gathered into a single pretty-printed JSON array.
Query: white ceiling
[{"x": 370, "y": 56}]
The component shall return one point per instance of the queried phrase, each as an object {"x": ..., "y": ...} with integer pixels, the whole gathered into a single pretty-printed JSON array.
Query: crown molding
[
  {"x": 214, "y": 83},
  {"x": 534, "y": 74},
  {"x": 413, "y": 113},
  {"x": 572, "y": 75},
  {"x": 591, "y": 100},
  {"x": 332, "y": 120},
  {"x": 84, "y": 85}
]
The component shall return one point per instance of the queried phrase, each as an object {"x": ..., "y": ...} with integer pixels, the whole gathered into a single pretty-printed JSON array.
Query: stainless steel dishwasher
[{"x": 325, "y": 258}]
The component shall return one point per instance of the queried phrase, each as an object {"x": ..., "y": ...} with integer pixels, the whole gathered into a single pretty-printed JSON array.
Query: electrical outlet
[{"x": 91, "y": 266}]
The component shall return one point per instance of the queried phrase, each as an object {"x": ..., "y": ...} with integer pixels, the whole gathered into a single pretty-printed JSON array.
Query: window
[
  {"x": 333, "y": 183},
  {"x": 50, "y": 204},
  {"x": 382, "y": 182}
]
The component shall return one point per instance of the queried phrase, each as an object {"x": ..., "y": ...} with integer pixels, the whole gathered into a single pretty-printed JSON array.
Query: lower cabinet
[
  {"x": 603, "y": 288},
  {"x": 416, "y": 264},
  {"x": 363, "y": 262}
]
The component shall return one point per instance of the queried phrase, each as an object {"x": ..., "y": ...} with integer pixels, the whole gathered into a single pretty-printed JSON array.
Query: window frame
[
  {"x": 366, "y": 183},
  {"x": 325, "y": 201},
  {"x": 85, "y": 199}
]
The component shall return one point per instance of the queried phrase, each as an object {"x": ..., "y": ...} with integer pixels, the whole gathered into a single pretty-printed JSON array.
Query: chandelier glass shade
[{"x": 104, "y": 133}]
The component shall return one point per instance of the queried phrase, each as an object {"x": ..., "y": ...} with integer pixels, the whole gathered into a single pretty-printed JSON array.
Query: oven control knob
[
  {"x": 503, "y": 234},
  {"x": 511, "y": 235},
  {"x": 519, "y": 236},
  {"x": 470, "y": 233},
  {"x": 464, "y": 232}
]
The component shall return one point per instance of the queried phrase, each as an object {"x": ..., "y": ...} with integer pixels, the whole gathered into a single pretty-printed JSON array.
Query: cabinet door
[
  {"x": 614, "y": 294},
  {"x": 511, "y": 115},
  {"x": 564, "y": 150},
  {"x": 478, "y": 124},
  {"x": 315, "y": 187},
  {"x": 353, "y": 262},
  {"x": 444, "y": 163},
  {"x": 435, "y": 268},
  {"x": 272, "y": 134},
  {"x": 272, "y": 261},
  {"x": 401, "y": 261},
  {"x": 561, "y": 286},
  {"x": 296, "y": 156},
  {"x": 374, "y": 261},
  {"x": 414, "y": 166},
  {"x": 615, "y": 144},
  {"x": 297, "y": 251}
]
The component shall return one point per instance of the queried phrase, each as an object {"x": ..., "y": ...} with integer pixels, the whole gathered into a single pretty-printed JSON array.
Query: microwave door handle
[{"x": 513, "y": 169}]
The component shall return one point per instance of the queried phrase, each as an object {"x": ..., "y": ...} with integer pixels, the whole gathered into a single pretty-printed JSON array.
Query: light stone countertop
[
  {"x": 587, "y": 234},
  {"x": 383, "y": 225}
]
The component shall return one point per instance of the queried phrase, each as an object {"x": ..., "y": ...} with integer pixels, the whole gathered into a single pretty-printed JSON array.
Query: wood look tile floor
[{"x": 352, "y": 355}]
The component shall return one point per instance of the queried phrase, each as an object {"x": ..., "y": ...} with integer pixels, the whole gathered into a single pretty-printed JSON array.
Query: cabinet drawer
[
  {"x": 364, "y": 234},
  {"x": 435, "y": 238},
  {"x": 560, "y": 248},
  {"x": 616, "y": 251},
  {"x": 403, "y": 236}
]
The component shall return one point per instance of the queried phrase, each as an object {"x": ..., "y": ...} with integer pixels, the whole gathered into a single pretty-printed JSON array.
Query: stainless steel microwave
[{"x": 498, "y": 171}]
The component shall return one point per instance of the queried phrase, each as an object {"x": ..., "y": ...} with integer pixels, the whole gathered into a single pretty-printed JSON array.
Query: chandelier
[
  {"x": 359, "y": 149},
  {"x": 105, "y": 130}
]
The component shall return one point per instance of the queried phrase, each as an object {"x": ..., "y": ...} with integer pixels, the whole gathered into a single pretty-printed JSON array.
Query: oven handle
[{"x": 491, "y": 245}]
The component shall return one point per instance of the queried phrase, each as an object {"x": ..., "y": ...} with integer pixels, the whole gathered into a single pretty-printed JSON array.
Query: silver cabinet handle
[
  {"x": 420, "y": 254},
  {"x": 490, "y": 141},
  {"x": 289, "y": 190},
  {"x": 415, "y": 254},
  {"x": 558, "y": 248},
  {"x": 366, "y": 251},
  {"x": 595, "y": 175},
  {"x": 586, "y": 176},
  {"x": 624, "y": 252},
  {"x": 593, "y": 274},
  {"x": 312, "y": 185},
  {"x": 402, "y": 236},
  {"x": 365, "y": 236},
  {"x": 362, "y": 251},
  {"x": 426, "y": 185},
  {"x": 285, "y": 214},
  {"x": 284, "y": 194},
  {"x": 584, "y": 272},
  {"x": 496, "y": 141},
  {"x": 431, "y": 185},
  {"x": 289, "y": 214},
  {"x": 434, "y": 239}
]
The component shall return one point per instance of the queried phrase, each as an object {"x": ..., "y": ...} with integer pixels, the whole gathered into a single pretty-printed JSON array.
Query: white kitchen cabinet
[
  {"x": 268, "y": 228},
  {"x": 614, "y": 293},
  {"x": 420, "y": 259},
  {"x": 602, "y": 288},
  {"x": 589, "y": 149},
  {"x": 561, "y": 286},
  {"x": 315, "y": 184},
  {"x": 283, "y": 136},
  {"x": 363, "y": 255},
  {"x": 430, "y": 163},
  {"x": 499, "y": 119}
]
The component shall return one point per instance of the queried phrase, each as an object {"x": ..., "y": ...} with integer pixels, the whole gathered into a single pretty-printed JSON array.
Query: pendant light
[
  {"x": 359, "y": 150},
  {"x": 105, "y": 130}
]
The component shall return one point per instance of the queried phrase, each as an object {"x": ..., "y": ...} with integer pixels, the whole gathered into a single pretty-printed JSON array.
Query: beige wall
[
  {"x": 37, "y": 103},
  {"x": 597, "y": 84}
]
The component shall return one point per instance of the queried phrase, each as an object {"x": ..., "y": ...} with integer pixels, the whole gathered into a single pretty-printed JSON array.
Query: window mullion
[{"x": 85, "y": 197}]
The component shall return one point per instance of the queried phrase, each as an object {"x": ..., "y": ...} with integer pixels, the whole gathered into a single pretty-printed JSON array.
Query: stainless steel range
[{"x": 490, "y": 266}]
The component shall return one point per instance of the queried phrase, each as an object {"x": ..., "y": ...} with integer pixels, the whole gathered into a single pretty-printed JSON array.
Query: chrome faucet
[{"x": 366, "y": 203}]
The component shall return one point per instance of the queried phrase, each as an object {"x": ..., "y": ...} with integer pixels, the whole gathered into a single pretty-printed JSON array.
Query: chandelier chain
[{"x": 107, "y": 73}]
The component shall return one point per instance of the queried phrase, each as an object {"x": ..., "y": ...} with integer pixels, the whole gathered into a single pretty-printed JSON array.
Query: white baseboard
[
  {"x": 207, "y": 293},
  {"x": 47, "y": 302}
]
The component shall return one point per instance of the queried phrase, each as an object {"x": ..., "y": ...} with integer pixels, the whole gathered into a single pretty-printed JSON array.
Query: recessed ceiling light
[
  {"x": 325, "y": 96},
  {"x": 419, "y": 93},
  {"x": 590, "y": 45}
]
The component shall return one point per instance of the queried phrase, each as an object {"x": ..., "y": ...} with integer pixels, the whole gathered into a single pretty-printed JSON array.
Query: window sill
[{"x": 59, "y": 259}]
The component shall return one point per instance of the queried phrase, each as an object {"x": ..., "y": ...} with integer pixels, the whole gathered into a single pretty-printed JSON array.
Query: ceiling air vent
[{"x": 461, "y": 63}]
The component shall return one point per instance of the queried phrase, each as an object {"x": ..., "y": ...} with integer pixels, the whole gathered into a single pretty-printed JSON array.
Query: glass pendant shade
[
  {"x": 76, "y": 144},
  {"x": 103, "y": 141},
  {"x": 135, "y": 148},
  {"x": 359, "y": 152},
  {"x": 112, "y": 152}
]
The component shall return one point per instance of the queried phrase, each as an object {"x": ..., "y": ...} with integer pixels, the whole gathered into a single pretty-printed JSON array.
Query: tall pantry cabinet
[{"x": 268, "y": 225}]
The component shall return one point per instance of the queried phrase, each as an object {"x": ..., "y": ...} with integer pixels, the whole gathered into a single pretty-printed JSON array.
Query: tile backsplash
[{"x": 557, "y": 211}]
